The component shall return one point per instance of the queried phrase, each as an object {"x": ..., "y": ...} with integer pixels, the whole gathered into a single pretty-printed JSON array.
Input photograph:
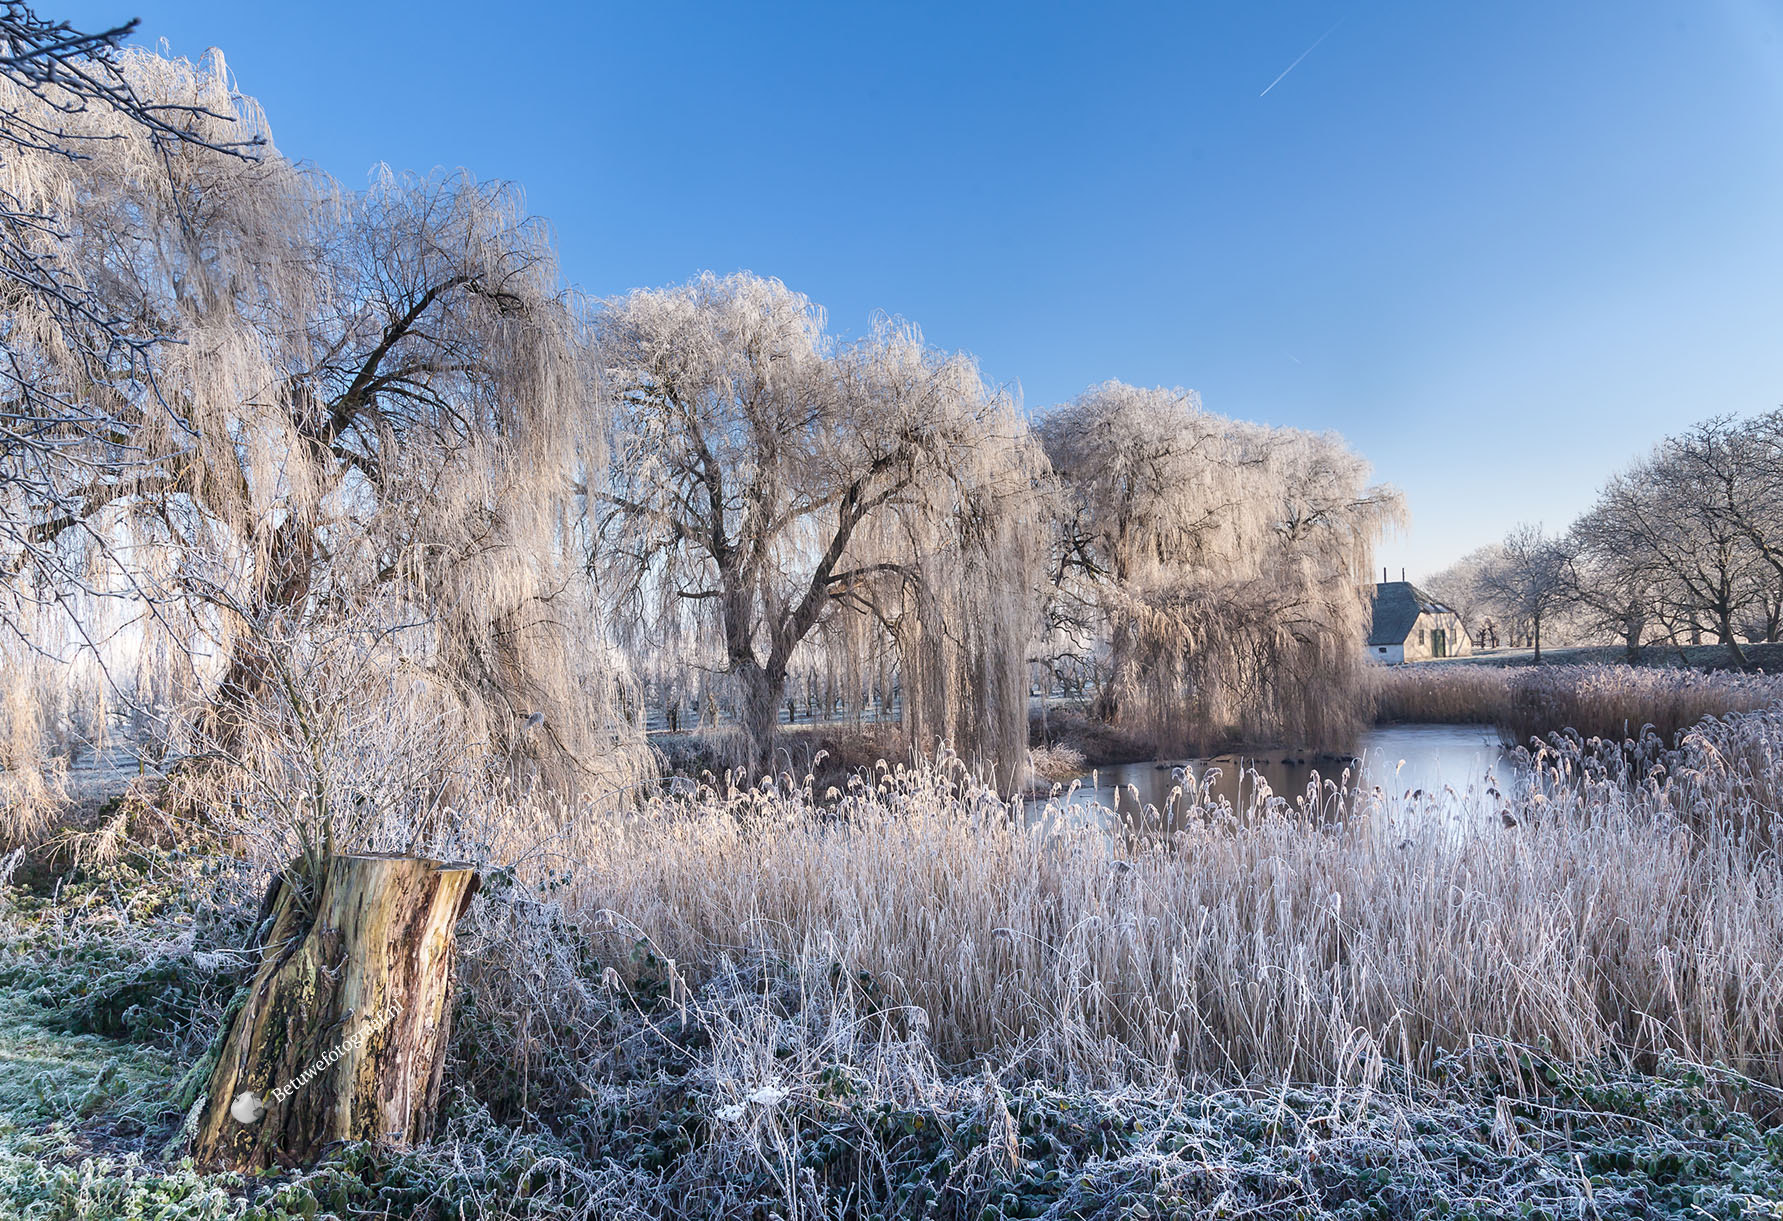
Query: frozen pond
[{"x": 1425, "y": 765}]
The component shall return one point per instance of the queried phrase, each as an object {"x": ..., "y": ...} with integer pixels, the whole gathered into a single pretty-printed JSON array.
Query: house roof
[{"x": 1397, "y": 605}]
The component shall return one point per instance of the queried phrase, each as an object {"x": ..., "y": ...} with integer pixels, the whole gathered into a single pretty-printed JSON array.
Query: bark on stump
[{"x": 343, "y": 1033}]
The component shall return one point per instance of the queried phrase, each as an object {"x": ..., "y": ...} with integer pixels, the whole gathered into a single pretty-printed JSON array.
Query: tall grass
[
  {"x": 1453, "y": 694},
  {"x": 1615, "y": 703},
  {"x": 725, "y": 1002},
  {"x": 1595, "y": 913},
  {"x": 1621, "y": 702}
]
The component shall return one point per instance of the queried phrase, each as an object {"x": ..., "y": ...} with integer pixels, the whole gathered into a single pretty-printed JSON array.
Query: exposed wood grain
[{"x": 343, "y": 1033}]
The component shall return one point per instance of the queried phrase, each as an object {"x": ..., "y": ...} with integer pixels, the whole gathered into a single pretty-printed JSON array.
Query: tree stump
[{"x": 343, "y": 1032}]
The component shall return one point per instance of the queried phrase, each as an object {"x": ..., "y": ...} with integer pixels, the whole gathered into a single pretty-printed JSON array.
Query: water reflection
[{"x": 1457, "y": 769}]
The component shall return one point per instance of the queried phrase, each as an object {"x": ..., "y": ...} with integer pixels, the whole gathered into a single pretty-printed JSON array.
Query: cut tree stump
[{"x": 343, "y": 1032}]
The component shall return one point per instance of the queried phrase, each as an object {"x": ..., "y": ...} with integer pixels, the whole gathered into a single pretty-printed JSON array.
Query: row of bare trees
[
  {"x": 1683, "y": 547},
  {"x": 264, "y": 430}
]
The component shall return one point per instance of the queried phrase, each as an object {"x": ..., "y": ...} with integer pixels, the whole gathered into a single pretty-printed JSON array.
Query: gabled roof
[{"x": 1397, "y": 605}]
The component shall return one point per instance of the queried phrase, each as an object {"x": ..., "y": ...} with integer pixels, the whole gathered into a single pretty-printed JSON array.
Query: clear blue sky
[{"x": 1502, "y": 247}]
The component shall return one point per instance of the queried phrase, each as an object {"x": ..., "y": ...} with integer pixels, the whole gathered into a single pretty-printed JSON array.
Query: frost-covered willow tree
[
  {"x": 64, "y": 100},
  {"x": 369, "y": 421},
  {"x": 1219, "y": 568},
  {"x": 767, "y": 487}
]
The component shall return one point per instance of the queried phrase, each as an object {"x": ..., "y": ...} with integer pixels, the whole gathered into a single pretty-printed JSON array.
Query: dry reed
[
  {"x": 1448, "y": 694},
  {"x": 1612, "y": 702},
  {"x": 1617, "y": 917},
  {"x": 1617, "y": 703}
]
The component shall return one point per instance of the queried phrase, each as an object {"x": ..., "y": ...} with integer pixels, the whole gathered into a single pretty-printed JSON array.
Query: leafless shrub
[
  {"x": 1056, "y": 763},
  {"x": 351, "y": 746}
]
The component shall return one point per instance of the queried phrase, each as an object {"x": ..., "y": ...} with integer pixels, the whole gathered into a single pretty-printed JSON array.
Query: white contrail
[{"x": 1315, "y": 46}]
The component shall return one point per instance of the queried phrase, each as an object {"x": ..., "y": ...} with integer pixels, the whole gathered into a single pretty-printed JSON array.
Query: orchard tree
[
  {"x": 1737, "y": 465},
  {"x": 1462, "y": 587},
  {"x": 1611, "y": 577},
  {"x": 763, "y": 482},
  {"x": 1674, "y": 512}
]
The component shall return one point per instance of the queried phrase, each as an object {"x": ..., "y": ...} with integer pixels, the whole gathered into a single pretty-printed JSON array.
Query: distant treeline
[{"x": 1683, "y": 547}]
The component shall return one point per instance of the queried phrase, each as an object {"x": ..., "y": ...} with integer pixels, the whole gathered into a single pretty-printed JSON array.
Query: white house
[{"x": 1410, "y": 625}]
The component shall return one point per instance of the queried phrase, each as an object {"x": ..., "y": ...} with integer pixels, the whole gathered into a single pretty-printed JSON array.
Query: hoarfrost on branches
[
  {"x": 1217, "y": 569},
  {"x": 767, "y": 485}
]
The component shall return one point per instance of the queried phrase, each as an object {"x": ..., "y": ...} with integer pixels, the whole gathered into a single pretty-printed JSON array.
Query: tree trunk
[
  {"x": 343, "y": 1033},
  {"x": 1107, "y": 705},
  {"x": 758, "y": 714},
  {"x": 1537, "y": 659},
  {"x": 281, "y": 586},
  {"x": 1724, "y": 628}
]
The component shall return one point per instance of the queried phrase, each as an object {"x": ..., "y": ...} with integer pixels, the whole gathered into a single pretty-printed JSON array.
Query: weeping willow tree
[
  {"x": 366, "y": 416},
  {"x": 1218, "y": 569},
  {"x": 768, "y": 490},
  {"x": 64, "y": 100}
]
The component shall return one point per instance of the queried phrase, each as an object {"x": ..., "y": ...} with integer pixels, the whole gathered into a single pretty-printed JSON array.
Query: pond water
[{"x": 1455, "y": 767}]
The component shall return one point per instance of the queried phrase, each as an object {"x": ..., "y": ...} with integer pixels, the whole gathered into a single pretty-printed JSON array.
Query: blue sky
[{"x": 1503, "y": 248}]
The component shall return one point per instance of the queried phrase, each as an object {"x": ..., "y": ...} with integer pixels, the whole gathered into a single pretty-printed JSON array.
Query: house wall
[
  {"x": 1385, "y": 654},
  {"x": 1420, "y": 645}
]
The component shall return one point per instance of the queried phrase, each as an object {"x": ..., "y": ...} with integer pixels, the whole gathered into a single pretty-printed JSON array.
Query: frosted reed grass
[
  {"x": 1600, "y": 911},
  {"x": 1621, "y": 702},
  {"x": 1613, "y": 702}
]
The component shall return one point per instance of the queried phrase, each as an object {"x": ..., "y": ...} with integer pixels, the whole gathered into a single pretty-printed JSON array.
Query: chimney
[
  {"x": 1402, "y": 574},
  {"x": 1383, "y": 576}
]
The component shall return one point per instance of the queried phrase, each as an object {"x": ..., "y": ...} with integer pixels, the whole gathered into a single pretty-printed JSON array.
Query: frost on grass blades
[
  {"x": 472, "y": 749},
  {"x": 749, "y": 997}
]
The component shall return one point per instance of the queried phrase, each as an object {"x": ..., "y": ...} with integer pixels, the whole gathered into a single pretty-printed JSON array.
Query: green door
[{"x": 1439, "y": 643}]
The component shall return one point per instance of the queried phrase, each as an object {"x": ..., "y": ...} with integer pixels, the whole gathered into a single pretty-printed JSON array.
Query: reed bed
[
  {"x": 1622, "y": 702},
  {"x": 1454, "y": 694},
  {"x": 918, "y": 999},
  {"x": 1612, "y": 702},
  {"x": 1599, "y": 912}
]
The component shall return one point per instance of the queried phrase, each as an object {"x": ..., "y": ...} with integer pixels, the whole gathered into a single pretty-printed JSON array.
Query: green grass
[{"x": 68, "y": 981}]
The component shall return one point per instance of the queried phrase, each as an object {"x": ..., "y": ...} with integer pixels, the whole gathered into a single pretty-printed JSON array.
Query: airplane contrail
[{"x": 1315, "y": 46}]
